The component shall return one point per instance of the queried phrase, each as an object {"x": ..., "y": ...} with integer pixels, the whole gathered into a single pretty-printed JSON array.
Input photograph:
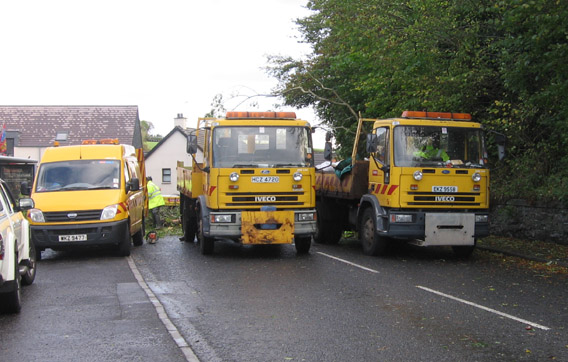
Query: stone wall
[{"x": 517, "y": 218}]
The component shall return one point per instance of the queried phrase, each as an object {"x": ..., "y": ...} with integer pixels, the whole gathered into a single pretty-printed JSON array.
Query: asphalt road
[{"x": 268, "y": 304}]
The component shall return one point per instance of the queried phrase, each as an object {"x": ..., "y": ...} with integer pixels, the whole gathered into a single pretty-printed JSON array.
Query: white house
[{"x": 162, "y": 160}]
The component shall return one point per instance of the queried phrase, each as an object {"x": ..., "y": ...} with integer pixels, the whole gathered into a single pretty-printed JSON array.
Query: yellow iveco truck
[
  {"x": 254, "y": 183},
  {"x": 89, "y": 195},
  {"x": 426, "y": 181}
]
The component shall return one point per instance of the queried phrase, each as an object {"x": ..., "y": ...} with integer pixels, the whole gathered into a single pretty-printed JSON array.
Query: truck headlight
[
  {"x": 400, "y": 218},
  {"x": 305, "y": 216},
  {"x": 36, "y": 215},
  {"x": 297, "y": 176},
  {"x": 417, "y": 175},
  {"x": 476, "y": 177},
  {"x": 481, "y": 218},
  {"x": 221, "y": 218},
  {"x": 109, "y": 212},
  {"x": 234, "y": 176}
]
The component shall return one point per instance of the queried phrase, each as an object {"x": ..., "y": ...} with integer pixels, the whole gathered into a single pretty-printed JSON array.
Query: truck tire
[
  {"x": 327, "y": 232},
  {"x": 206, "y": 244},
  {"x": 12, "y": 302},
  {"x": 303, "y": 244},
  {"x": 329, "y": 223},
  {"x": 138, "y": 238},
  {"x": 189, "y": 223},
  {"x": 372, "y": 243},
  {"x": 30, "y": 270},
  {"x": 125, "y": 243}
]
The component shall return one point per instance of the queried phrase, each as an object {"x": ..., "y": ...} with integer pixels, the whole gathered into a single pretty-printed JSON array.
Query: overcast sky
[{"x": 166, "y": 57}]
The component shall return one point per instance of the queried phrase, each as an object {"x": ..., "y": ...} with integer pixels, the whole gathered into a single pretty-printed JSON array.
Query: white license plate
[
  {"x": 66, "y": 238},
  {"x": 265, "y": 179},
  {"x": 444, "y": 189}
]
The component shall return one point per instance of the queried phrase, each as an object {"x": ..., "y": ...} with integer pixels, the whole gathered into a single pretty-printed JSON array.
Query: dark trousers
[{"x": 156, "y": 216}]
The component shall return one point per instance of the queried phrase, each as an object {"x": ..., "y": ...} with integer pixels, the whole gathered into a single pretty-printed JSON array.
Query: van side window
[{"x": 126, "y": 173}]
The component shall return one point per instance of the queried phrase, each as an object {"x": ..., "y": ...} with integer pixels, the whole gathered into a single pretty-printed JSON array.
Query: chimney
[{"x": 180, "y": 121}]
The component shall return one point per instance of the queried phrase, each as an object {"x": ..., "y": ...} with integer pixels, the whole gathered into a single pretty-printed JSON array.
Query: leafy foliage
[{"x": 506, "y": 62}]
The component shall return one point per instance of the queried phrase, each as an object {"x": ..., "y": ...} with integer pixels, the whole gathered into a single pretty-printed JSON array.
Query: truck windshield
[
  {"x": 253, "y": 146},
  {"x": 431, "y": 146},
  {"x": 78, "y": 175}
]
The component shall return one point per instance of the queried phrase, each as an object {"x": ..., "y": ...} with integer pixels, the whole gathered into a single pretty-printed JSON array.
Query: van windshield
[{"x": 78, "y": 175}]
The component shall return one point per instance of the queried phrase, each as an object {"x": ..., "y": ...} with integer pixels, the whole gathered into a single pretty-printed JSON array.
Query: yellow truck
[
  {"x": 89, "y": 195},
  {"x": 254, "y": 183},
  {"x": 425, "y": 181}
]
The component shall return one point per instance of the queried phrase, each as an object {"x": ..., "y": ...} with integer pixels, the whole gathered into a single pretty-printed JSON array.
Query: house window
[
  {"x": 61, "y": 136},
  {"x": 166, "y": 175},
  {"x": 9, "y": 147}
]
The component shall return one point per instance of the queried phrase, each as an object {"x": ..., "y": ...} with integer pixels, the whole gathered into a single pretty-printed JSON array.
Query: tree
[{"x": 505, "y": 62}]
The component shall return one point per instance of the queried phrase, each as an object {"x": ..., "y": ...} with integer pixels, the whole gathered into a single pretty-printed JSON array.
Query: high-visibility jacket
[
  {"x": 154, "y": 196},
  {"x": 431, "y": 152}
]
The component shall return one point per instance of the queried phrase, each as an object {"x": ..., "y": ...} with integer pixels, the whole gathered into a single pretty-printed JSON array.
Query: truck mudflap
[{"x": 267, "y": 227}]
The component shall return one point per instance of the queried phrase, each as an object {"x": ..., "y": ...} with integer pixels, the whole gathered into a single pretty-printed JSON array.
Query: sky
[{"x": 166, "y": 57}]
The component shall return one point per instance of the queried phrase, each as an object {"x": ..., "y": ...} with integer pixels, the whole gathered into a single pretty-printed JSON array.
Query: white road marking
[
  {"x": 536, "y": 325},
  {"x": 348, "y": 262},
  {"x": 485, "y": 308},
  {"x": 174, "y": 333}
]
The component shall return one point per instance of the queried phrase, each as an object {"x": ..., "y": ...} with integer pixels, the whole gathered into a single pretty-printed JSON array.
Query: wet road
[{"x": 268, "y": 304}]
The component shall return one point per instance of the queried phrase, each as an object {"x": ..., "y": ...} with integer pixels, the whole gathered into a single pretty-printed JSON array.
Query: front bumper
[
  {"x": 234, "y": 229},
  {"x": 98, "y": 234},
  {"x": 440, "y": 228}
]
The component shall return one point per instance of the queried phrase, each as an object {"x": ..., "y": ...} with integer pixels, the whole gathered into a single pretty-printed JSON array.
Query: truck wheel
[
  {"x": 372, "y": 243},
  {"x": 303, "y": 244},
  {"x": 328, "y": 231},
  {"x": 189, "y": 224},
  {"x": 138, "y": 238},
  {"x": 124, "y": 245},
  {"x": 30, "y": 270},
  {"x": 206, "y": 244},
  {"x": 12, "y": 302}
]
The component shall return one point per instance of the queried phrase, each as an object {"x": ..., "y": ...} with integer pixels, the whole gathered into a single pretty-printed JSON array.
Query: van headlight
[
  {"x": 109, "y": 212},
  {"x": 36, "y": 215}
]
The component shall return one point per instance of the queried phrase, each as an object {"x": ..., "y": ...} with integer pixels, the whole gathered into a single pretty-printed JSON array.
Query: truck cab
[{"x": 255, "y": 182}]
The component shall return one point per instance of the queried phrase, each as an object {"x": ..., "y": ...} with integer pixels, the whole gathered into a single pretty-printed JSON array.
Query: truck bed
[{"x": 352, "y": 185}]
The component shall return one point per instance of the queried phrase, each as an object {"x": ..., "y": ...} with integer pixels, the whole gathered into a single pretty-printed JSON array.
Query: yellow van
[{"x": 88, "y": 195}]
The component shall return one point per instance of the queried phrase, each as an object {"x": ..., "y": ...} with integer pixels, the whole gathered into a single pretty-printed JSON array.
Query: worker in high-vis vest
[{"x": 155, "y": 201}]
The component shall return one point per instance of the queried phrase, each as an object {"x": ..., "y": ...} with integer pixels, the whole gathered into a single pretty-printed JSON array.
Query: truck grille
[
  {"x": 67, "y": 216},
  {"x": 264, "y": 198},
  {"x": 454, "y": 199}
]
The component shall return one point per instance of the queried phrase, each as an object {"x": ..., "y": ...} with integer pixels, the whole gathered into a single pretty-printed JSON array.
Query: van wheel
[
  {"x": 303, "y": 244},
  {"x": 206, "y": 244},
  {"x": 13, "y": 300},
  {"x": 30, "y": 271},
  {"x": 124, "y": 246},
  {"x": 138, "y": 238},
  {"x": 372, "y": 243}
]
